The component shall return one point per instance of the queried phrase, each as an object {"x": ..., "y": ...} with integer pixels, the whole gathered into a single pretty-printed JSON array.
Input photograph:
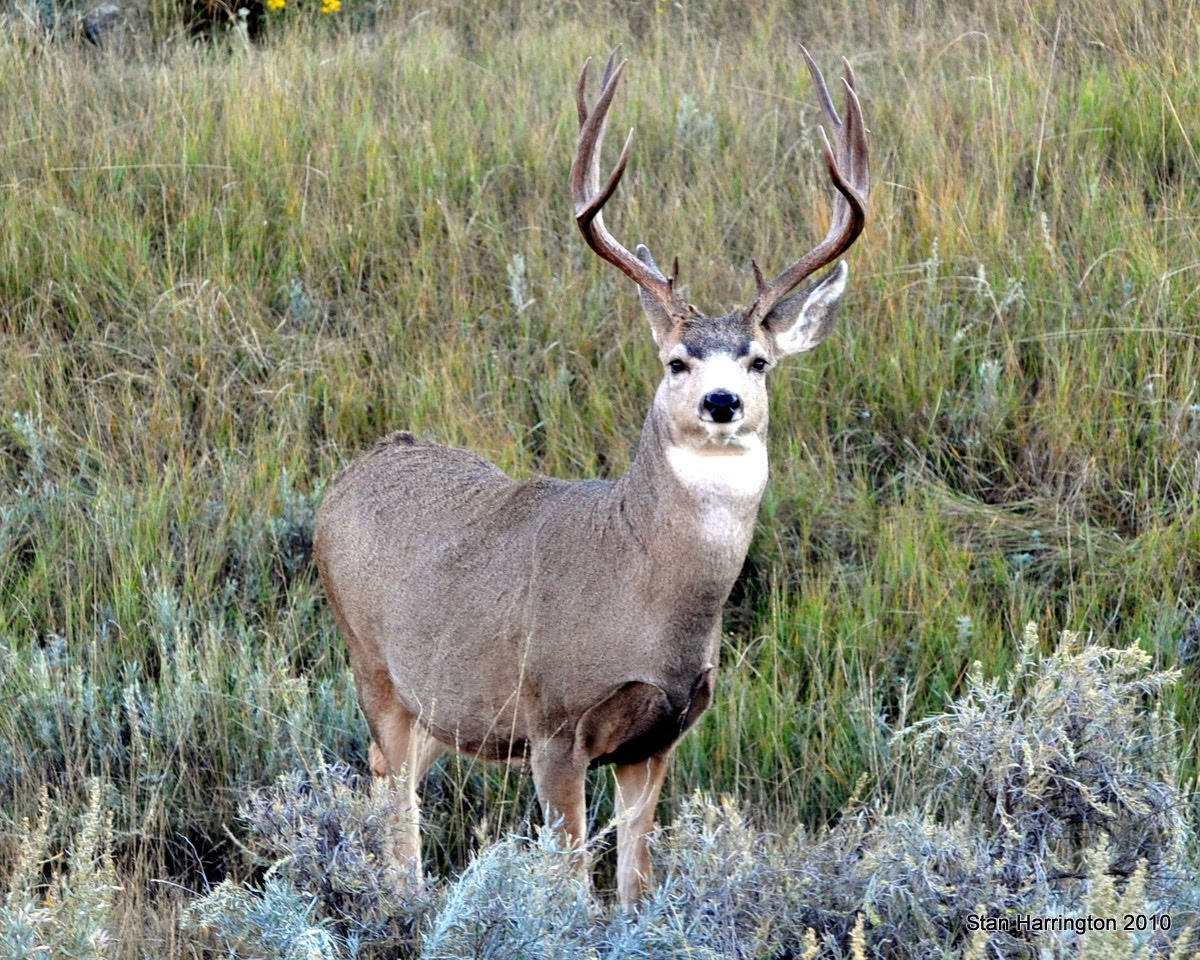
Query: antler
[
  {"x": 588, "y": 197},
  {"x": 850, "y": 172}
]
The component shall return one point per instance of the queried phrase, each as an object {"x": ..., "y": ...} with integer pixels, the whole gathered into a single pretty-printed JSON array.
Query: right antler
[
  {"x": 589, "y": 198},
  {"x": 850, "y": 172}
]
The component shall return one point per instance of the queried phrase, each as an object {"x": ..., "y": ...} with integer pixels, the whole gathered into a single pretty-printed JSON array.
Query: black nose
[{"x": 721, "y": 405}]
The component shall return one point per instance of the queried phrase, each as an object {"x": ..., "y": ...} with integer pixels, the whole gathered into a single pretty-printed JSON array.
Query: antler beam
[
  {"x": 850, "y": 172},
  {"x": 589, "y": 197}
]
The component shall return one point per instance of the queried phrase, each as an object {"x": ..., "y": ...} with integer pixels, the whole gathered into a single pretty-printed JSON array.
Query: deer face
[{"x": 714, "y": 387}]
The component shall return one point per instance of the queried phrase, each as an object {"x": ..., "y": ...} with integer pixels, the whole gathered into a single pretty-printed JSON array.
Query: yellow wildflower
[
  {"x": 331, "y": 6},
  {"x": 276, "y": 4}
]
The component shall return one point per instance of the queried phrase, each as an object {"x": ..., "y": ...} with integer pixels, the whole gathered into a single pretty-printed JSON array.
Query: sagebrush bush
[
  {"x": 517, "y": 896},
  {"x": 205, "y": 709},
  {"x": 274, "y": 922},
  {"x": 58, "y": 900},
  {"x": 1063, "y": 752},
  {"x": 330, "y": 834},
  {"x": 1047, "y": 793}
]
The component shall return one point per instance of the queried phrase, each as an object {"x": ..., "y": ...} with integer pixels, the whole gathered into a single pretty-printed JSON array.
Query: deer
[{"x": 563, "y": 625}]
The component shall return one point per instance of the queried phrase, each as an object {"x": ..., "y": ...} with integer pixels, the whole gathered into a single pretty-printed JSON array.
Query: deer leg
[
  {"x": 559, "y": 778},
  {"x": 410, "y": 752},
  {"x": 401, "y": 751},
  {"x": 638, "y": 786}
]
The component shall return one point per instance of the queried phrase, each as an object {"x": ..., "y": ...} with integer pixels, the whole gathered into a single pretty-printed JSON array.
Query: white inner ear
[
  {"x": 654, "y": 334},
  {"x": 656, "y": 316},
  {"x": 813, "y": 315}
]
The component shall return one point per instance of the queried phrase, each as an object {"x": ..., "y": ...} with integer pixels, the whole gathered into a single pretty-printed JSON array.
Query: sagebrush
[{"x": 1048, "y": 793}]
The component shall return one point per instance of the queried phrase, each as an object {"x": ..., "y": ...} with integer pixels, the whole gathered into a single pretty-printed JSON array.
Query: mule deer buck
[{"x": 572, "y": 624}]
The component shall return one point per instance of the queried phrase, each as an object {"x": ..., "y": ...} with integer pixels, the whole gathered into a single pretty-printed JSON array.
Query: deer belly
[
  {"x": 493, "y": 747},
  {"x": 490, "y": 734},
  {"x": 471, "y": 707}
]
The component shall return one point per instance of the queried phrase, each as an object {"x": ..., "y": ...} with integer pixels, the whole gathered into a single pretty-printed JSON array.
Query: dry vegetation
[{"x": 225, "y": 268}]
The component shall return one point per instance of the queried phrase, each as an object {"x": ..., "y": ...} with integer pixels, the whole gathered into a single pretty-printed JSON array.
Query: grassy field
[{"x": 226, "y": 269}]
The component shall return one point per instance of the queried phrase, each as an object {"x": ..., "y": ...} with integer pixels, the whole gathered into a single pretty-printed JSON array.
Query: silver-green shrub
[
  {"x": 1065, "y": 752},
  {"x": 1050, "y": 793},
  {"x": 329, "y": 833},
  {"x": 66, "y": 915},
  {"x": 332, "y": 887},
  {"x": 276, "y": 922}
]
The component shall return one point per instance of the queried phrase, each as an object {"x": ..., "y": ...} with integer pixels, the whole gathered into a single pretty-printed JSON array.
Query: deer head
[{"x": 713, "y": 393}]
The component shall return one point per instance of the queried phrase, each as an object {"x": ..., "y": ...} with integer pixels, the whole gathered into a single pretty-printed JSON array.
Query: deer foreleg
[
  {"x": 559, "y": 778},
  {"x": 638, "y": 787}
]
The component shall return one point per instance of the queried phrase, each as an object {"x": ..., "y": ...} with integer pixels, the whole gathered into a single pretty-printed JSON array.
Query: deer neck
[{"x": 693, "y": 507}]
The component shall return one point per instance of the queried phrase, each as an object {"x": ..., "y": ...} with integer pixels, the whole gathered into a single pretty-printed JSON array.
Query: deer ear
[
  {"x": 660, "y": 320},
  {"x": 802, "y": 321}
]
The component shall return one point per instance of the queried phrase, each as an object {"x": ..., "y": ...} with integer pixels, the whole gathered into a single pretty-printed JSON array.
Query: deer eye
[
  {"x": 677, "y": 366},
  {"x": 758, "y": 364}
]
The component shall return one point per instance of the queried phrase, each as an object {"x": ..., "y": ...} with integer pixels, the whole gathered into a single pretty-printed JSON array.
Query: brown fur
[{"x": 567, "y": 624}]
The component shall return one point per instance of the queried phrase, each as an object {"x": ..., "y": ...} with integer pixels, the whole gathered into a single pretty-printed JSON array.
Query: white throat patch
[
  {"x": 727, "y": 483},
  {"x": 733, "y": 473}
]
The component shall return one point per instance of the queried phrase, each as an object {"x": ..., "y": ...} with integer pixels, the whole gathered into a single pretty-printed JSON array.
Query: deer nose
[{"x": 722, "y": 405}]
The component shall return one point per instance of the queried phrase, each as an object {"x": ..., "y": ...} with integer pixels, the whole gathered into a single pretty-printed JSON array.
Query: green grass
[{"x": 225, "y": 271}]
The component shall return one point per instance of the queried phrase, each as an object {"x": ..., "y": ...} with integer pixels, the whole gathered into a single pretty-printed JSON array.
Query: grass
[{"x": 226, "y": 270}]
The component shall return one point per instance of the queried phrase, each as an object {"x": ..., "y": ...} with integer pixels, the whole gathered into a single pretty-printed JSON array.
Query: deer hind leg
[
  {"x": 401, "y": 751},
  {"x": 638, "y": 787}
]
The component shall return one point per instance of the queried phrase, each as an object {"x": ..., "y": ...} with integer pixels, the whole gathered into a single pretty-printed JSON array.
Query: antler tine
[
  {"x": 827, "y": 103},
  {"x": 581, "y": 90},
  {"x": 581, "y": 93},
  {"x": 847, "y": 160},
  {"x": 589, "y": 197}
]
